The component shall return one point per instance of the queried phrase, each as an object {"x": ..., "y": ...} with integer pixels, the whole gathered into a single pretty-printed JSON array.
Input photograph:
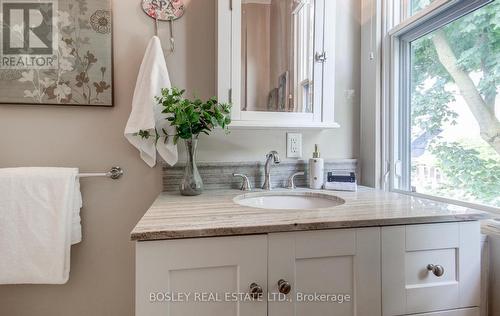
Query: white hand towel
[
  {"x": 39, "y": 221},
  {"x": 146, "y": 113}
]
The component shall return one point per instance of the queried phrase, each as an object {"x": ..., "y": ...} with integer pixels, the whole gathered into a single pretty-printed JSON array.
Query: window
[
  {"x": 448, "y": 122},
  {"x": 416, "y": 5}
]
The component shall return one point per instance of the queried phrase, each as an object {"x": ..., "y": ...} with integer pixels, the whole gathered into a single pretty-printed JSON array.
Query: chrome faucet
[
  {"x": 272, "y": 157},
  {"x": 291, "y": 180},
  {"x": 246, "y": 186}
]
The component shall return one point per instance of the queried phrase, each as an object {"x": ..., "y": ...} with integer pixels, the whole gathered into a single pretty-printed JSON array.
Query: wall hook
[
  {"x": 172, "y": 40},
  {"x": 165, "y": 10}
]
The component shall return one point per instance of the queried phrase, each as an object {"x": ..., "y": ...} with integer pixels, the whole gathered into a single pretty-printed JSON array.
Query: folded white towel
[
  {"x": 146, "y": 113},
  {"x": 39, "y": 221}
]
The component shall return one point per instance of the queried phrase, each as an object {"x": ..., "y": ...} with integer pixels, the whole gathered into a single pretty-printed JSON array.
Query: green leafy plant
[
  {"x": 469, "y": 171},
  {"x": 190, "y": 117}
]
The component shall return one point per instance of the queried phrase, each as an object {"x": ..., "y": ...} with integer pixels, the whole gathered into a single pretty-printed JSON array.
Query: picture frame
[{"x": 59, "y": 53}]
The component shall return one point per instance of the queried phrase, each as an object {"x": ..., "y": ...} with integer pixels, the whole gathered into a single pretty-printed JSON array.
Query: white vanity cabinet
[
  {"x": 201, "y": 267},
  {"x": 427, "y": 268},
  {"x": 375, "y": 271},
  {"x": 344, "y": 262}
]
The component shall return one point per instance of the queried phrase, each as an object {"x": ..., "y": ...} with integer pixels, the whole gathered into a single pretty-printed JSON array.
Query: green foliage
[
  {"x": 417, "y": 5},
  {"x": 189, "y": 117},
  {"x": 192, "y": 117},
  {"x": 146, "y": 134},
  {"x": 475, "y": 41},
  {"x": 468, "y": 171},
  {"x": 430, "y": 110},
  {"x": 429, "y": 105}
]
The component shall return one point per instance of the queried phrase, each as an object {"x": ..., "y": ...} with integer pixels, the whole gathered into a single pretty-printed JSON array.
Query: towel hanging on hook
[{"x": 165, "y": 10}]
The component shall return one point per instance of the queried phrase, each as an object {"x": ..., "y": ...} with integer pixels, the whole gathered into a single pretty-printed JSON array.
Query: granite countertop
[{"x": 214, "y": 213}]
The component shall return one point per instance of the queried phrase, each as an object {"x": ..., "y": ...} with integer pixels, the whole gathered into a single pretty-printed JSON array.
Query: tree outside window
[{"x": 455, "y": 108}]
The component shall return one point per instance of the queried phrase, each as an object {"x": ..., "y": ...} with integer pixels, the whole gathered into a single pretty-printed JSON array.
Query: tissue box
[{"x": 341, "y": 181}]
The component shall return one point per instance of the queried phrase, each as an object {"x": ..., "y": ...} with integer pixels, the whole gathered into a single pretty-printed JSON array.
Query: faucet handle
[
  {"x": 291, "y": 183},
  {"x": 246, "y": 182}
]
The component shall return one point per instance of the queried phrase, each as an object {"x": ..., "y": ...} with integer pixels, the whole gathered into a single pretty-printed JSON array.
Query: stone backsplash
[{"x": 219, "y": 175}]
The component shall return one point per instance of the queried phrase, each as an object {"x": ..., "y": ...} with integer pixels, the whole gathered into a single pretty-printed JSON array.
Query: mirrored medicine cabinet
[{"x": 276, "y": 62}]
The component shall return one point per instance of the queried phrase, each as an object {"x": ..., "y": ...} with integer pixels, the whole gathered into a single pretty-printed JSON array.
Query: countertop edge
[{"x": 282, "y": 228}]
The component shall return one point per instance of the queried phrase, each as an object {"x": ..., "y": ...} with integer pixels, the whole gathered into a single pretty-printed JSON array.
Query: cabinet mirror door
[
  {"x": 277, "y": 56},
  {"x": 276, "y": 60}
]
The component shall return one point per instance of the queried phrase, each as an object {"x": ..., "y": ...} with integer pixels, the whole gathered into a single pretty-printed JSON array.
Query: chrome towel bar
[{"x": 114, "y": 173}]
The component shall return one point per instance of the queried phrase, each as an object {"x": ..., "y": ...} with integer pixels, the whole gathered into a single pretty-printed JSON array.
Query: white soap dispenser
[{"x": 316, "y": 170}]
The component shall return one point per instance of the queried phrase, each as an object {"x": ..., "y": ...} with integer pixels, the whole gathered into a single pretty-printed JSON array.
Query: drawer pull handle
[
  {"x": 256, "y": 291},
  {"x": 436, "y": 269},
  {"x": 284, "y": 286}
]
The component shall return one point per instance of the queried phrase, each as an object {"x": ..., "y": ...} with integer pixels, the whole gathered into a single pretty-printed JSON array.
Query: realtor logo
[{"x": 28, "y": 34}]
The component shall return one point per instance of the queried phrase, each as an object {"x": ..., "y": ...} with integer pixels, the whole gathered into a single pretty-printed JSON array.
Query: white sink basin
[{"x": 289, "y": 200}]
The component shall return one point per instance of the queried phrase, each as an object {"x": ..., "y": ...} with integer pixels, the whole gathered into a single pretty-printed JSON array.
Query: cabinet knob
[
  {"x": 256, "y": 291},
  {"x": 284, "y": 286},
  {"x": 436, "y": 269}
]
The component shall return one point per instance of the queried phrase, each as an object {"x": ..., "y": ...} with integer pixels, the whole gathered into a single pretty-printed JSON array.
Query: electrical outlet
[{"x": 293, "y": 145}]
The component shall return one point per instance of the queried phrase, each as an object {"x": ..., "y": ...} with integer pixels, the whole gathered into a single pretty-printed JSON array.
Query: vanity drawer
[{"x": 430, "y": 267}]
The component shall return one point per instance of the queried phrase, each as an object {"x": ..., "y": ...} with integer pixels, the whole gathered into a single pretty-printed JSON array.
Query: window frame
[{"x": 396, "y": 81}]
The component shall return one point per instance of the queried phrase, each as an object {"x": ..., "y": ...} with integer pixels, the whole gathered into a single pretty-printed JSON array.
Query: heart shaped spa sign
[{"x": 164, "y": 10}]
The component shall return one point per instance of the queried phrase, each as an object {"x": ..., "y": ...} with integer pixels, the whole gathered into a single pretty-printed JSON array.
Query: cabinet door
[
  {"x": 205, "y": 269},
  {"x": 340, "y": 263},
  {"x": 410, "y": 286}
]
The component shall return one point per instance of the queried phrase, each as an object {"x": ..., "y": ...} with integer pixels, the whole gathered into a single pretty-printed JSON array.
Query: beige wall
[
  {"x": 102, "y": 266},
  {"x": 370, "y": 108}
]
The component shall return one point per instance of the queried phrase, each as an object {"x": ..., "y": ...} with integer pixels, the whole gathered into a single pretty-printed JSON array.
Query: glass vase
[{"x": 191, "y": 183}]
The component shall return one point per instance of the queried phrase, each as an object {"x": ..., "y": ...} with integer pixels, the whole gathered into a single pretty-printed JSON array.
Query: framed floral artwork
[{"x": 56, "y": 52}]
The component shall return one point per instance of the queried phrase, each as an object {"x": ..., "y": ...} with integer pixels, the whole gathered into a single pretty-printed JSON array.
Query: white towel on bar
[
  {"x": 146, "y": 113},
  {"x": 39, "y": 221}
]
